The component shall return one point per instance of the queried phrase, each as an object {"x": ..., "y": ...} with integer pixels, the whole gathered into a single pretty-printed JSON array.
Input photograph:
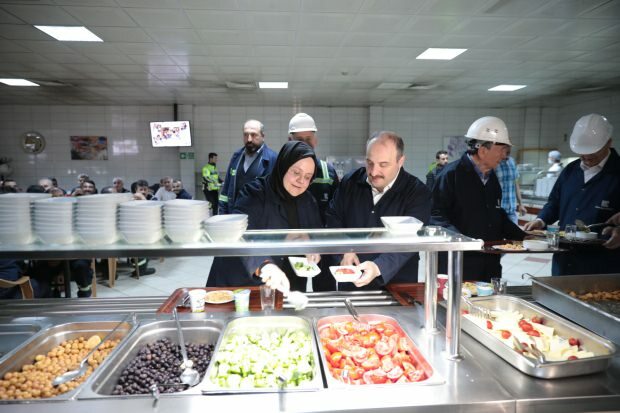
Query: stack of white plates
[
  {"x": 182, "y": 218},
  {"x": 15, "y": 220},
  {"x": 139, "y": 222},
  {"x": 226, "y": 228},
  {"x": 95, "y": 220},
  {"x": 53, "y": 220}
]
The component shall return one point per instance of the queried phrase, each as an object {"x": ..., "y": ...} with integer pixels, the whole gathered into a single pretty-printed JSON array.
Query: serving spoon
[
  {"x": 189, "y": 375},
  {"x": 581, "y": 226},
  {"x": 83, "y": 367}
]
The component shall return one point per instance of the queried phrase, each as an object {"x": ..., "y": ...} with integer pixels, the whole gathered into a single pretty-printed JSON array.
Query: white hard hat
[
  {"x": 301, "y": 122},
  {"x": 590, "y": 134},
  {"x": 555, "y": 155},
  {"x": 490, "y": 129}
]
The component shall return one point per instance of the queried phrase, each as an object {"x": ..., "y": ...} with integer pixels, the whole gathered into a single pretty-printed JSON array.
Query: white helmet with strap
[
  {"x": 302, "y": 122},
  {"x": 590, "y": 134},
  {"x": 489, "y": 129}
]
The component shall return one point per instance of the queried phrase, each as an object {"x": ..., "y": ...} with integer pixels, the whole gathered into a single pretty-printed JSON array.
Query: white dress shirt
[{"x": 590, "y": 172}]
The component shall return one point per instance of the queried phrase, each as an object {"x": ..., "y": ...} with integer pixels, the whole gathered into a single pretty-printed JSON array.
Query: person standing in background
[
  {"x": 441, "y": 160},
  {"x": 211, "y": 182},
  {"x": 508, "y": 177},
  {"x": 555, "y": 160},
  {"x": 302, "y": 128},
  {"x": 252, "y": 161}
]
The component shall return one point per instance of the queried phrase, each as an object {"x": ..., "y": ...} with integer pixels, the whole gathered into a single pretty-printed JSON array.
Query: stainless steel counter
[{"x": 480, "y": 382}]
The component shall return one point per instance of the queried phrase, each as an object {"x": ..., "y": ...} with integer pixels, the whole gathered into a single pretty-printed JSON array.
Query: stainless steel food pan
[
  {"x": 52, "y": 337},
  {"x": 552, "y": 292},
  {"x": 262, "y": 323},
  {"x": 603, "y": 349},
  {"x": 433, "y": 376},
  {"x": 194, "y": 331},
  {"x": 13, "y": 335}
]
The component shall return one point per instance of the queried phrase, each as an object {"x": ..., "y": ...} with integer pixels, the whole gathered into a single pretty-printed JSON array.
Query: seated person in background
[
  {"x": 279, "y": 200},
  {"x": 165, "y": 193},
  {"x": 9, "y": 186},
  {"x": 35, "y": 189},
  {"x": 87, "y": 187},
  {"x": 56, "y": 192},
  {"x": 55, "y": 184},
  {"x": 177, "y": 188},
  {"x": 11, "y": 270},
  {"x": 382, "y": 188},
  {"x": 108, "y": 190},
  {"x": 141, "y": 190},
  {"x": 45, "y": 271},
  {"x": 46, "y": 183},
  {"x": 119, "y": 185},
  {"x": 80, "y": 178}
]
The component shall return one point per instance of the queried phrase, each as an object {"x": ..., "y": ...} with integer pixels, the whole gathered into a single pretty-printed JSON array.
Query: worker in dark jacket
[
  {"x": 302, "y": 127},
  {"x": 382, "y": 188},
  {"x": 467, "y": 197},
  {"x": 277, "y": 201},
  {"x": 587, "y": 189},
  {"x": 252, "y": 161}
]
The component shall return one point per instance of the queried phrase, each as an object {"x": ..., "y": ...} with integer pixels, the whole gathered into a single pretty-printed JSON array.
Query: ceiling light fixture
[
  {"x": 440, "y": 54},
  {"x": 18, "y": 82},
  {"x": 273, "y": 85},
  {"x": 506, "y": 88},
  {"x": 70, "y": 33}
]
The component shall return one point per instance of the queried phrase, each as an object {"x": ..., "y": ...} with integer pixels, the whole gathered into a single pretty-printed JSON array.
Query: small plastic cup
[
  {"x": 197, "y": 300},
  {"x": 499, "y": 286},
  {"x": 442, "y": 282},
  {"x": 570, "y": 231},
  {"x": 267, "y": 297},
  {"x": 553, "y": 236},
  {"x": 242, "y": 300}
]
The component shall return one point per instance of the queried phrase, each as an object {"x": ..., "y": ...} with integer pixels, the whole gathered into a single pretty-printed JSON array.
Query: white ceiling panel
[
  {"x": 533, "y": 27},
  {"x": 378, "y": 23},
  {"x": 328, "y": 22},
  {"x": 121, "y": 34},
  {"x": 68, "y": 58},
  {"x": 150, "y": 49},
  {"x": 273, "y": 38},
  {"x": 22, "y": 32},
  {"x": 152, "y": 60},
  {"x": 170, "y": 35},
  {"x": 7, "y": 18},
  {"x": 224, "y": 37},
  {"x": 432, "y": 25},
  {"x": 215, "y": 20},
  {"x": 272, "y": 21},
  {"x": 391, "y": 6},
  {"x": 101, "y": 16},
  {"x": 40, "y": 14},
  {"x": 269, "y": 5},
  {"x": 331, "y": 6},
  {"x": 50, "y": 46},
  {"x": 174, "y": 19},
  {"x": 452, "y": 7}
]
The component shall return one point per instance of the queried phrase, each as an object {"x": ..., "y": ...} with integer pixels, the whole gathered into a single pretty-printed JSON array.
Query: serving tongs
[
  {"x": 478, "y": 311},
  {"x": 531, "y": 349},
  {"x": 83, "y": 367},
  {"x": 581, "y": 226},
  {"x": 349, "y": 305}
]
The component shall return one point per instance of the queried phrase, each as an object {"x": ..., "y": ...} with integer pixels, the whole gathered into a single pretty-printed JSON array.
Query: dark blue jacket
[
  {"x": 266, "y": 161},
  {"x": 352, "y": 207},
  {"x": 265, "y": 211},
  {"x": 591, "y": 202},
  {"x": 183, "y": 194},
  {"x": 463, "y": 204}
]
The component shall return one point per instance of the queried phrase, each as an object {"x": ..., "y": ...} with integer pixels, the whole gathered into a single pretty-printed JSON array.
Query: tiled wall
[{"x": 342, "y": 131}]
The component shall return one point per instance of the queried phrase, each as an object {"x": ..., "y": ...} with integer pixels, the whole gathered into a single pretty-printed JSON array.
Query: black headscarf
[{"x": 290, "y": 153}]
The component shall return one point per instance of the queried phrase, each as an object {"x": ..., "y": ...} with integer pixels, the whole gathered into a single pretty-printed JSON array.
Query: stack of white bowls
[
  {"x": 139, "y": 222},
  {"x": 183, "y": 217},
  {"x": 95, "y": 220},
  {"x": 15, "y": 222},
  {"x": 226, "y": 228},
  {"x": 53, "y": 220}
]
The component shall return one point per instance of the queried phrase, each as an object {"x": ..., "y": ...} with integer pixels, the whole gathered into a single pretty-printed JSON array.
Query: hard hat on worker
[
  {"x": 301, "y": 122},
  {"x": 590, "y": 134},
  {"x": 489, "y": 129}
]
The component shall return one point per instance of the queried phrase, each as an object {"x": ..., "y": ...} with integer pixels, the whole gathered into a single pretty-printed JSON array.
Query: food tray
[
  {"x": 552, "y": 292},
  {"x": 13, "y": 335},
  {"x": 603, "y": 349},
  {"x": 194, "y": 331},
  {"x": 52, "y": 337},
  {"x": 262, "y": 323},
  {"x": 433, "y": 376}
]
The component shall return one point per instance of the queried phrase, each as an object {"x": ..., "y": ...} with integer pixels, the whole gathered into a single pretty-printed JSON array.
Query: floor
[{"x": 173, "y": 273}]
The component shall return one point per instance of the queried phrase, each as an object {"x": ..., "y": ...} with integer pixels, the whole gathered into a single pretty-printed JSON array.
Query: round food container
[{"x": 484, "y": 289}]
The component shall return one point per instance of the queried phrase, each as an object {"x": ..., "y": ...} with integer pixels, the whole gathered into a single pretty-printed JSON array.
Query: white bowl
[
  {"x": 148, "y": 237},
  {"x": 98, "y": 238},
  {"x": 586, "y": 235},
  {"x": 402, "y": 225},
  {"x": 224, "y": 235},
  {"x": 22, "y": 197},
  {"x": 184, "y": 235},
  {"x": 227, "y": 219},
  {"x": 185, "y": 203},
  {"x": 16, "y": 237},
  {"x": 55, "y": 237},
  {"x": 535, "y": 245}
]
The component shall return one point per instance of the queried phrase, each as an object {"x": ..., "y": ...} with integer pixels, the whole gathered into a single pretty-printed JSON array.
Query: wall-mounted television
[{"x": 172, "y": 133}]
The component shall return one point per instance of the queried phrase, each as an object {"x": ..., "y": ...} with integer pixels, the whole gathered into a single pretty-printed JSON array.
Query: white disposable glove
[{"x": 275, "y": 278}]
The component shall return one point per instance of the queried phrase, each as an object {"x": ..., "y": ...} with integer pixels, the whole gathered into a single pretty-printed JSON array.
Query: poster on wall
[{"x": 89, "y": 148}]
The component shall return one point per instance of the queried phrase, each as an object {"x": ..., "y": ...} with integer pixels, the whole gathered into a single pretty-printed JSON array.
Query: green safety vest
[
  {"x": 210, "y": 177},
  {"x": 324, "y": 178}
]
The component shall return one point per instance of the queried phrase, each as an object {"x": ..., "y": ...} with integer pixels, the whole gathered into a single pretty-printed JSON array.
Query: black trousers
[{"x": 212, "y": 197}]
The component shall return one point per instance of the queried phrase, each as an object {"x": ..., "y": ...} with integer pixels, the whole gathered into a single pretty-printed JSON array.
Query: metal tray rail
[
  {"x": 433, "y": 376},
  {"x": 332, "y": 299},
  {"x": 603, "y": 349},
  {"x": 51, "y": 337},
  {"x": 194, "y": 331},
  {"x": 552, "y": 292},
  {"x": 265, "y": 322}
]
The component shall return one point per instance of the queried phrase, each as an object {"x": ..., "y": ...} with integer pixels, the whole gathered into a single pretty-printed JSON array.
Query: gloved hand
[{"x": 275, "y": 278}]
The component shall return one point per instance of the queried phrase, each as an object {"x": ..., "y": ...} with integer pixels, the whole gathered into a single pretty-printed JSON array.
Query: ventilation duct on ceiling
[
  {"x": 406, "y": 86},
  {"x": 241, "y": 86}
]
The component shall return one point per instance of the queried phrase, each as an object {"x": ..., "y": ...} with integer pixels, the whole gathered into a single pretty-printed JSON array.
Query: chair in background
[{"x": 23, "y": 283}]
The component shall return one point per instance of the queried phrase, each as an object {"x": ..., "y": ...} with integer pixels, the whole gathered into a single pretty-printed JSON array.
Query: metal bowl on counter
[{"x": 30, "y": 368}]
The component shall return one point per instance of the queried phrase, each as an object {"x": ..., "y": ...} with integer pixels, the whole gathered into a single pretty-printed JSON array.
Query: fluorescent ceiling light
[
  {"x": 506, "y": 88},
  {"x": 393, "y": 85},
  {"x": 70, "y": 33},
  {"x": 273, "y": 85},
  {"x": 18, "y": 82},
  {"x": 440, "y": 54}
]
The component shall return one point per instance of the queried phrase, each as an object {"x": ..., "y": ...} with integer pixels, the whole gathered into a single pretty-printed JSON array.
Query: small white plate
[
  {"x": 219, "y": 297},
  {"x": 306, "y": 269},
  {"x": 345, "y": 273}
]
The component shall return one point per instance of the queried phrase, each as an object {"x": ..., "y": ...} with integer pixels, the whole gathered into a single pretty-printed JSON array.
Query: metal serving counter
[{"x": 480, "y": 382}]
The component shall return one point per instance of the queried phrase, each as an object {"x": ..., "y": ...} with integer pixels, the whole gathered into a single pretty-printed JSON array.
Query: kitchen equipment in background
[{"x": 345, "y": 164}]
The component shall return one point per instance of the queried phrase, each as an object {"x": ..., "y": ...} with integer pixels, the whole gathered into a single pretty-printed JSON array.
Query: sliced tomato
[
  {"x": 389, "y": 330},
  {"x": 372, "y": 363},
  {"x": 573, "y": 341},
  {"x": 416, "y": 375},
  {"x": 379, "y": 328},
  {"x": 526, "y": 327},
  {"x": 573, "y": 358},
  {"x": 395, "y": 373},
  {"x": 355, "y": 373},
  {"x": 375, "y": 377},
  {"x": 336, "y": 358},
  {"x": 334, "y": 345},
  {"x": 533, "y": 333},
  {"x": 373, "y": 338},
  {"x": 403, "y": 344},
  {"x": 506, "y": 334},
  {"x": 399, "y": 358},
  {"x": 489, "y": 325},
  {"x": 403, "y": 379},
  {"x": 337, "y": 373},
  {"x": 386, "y": 363},
  {"x": 408, "y": 366},
  {"x": 361, "y": 355},
  {"x": 384, "y": 347},
  {"x": 537, "y": 320},
  {"x": 329, "y": 333},
  {"x": 464, "y": 312}
]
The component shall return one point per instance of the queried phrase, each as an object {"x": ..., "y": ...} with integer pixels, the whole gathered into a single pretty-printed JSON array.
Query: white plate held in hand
[
  {"x": 303, "y": 268},
  {"x": 345, "y": 273}
]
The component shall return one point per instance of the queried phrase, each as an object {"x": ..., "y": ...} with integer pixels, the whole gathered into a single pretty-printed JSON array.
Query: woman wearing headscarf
[{"x": 277, "y": 201}]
